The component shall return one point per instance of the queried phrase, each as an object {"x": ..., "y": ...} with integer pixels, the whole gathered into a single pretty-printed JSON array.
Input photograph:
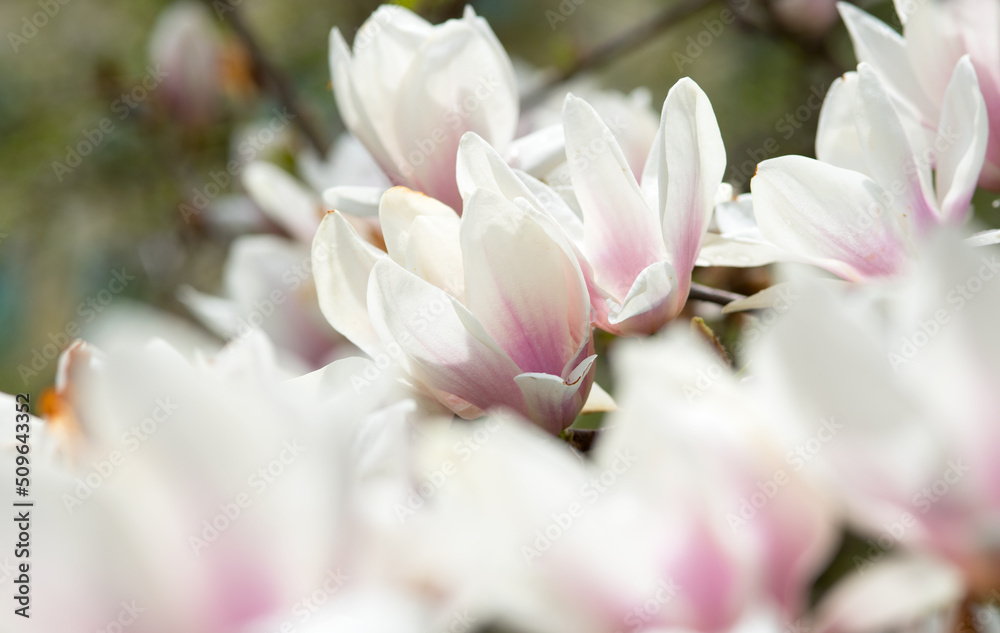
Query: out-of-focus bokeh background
[{"x": 81, "y": 232}]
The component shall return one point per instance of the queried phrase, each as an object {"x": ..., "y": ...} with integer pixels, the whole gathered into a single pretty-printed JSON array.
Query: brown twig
[
  {"x": 713, "y": 295},
  {"x": 274, "y": 79},
  {"x": 622, "y": 44}
]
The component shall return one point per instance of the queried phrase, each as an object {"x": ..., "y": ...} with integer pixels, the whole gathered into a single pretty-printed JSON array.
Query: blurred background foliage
[{"x": 62, "y": 235}]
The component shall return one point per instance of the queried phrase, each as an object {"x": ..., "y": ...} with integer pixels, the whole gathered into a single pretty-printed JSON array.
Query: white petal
[
  {"x": 398, "y": 209},
  {"x": 963, "y": 133},
  {"x": 456, "y": 84},
  {"x": 829, "y": 215},
  {"x": 692, "y": 164},
  {"x": 892, "y": 160},
  {"x": 341, "y": 264},
  {"x": 876, "y": 43},
  {"x": 352, "y": 108},
  {"x": 739, "y": 253},
  {"x": 553, "y": 402},
  {"x": 893, "y": 595},
  {"x": 621, "y": 233},
  {"x": 522, "y": 281},
  {"x": 837, "y": 139},
  {"x": 934, "y": 43},
  {"x": 599, "y": 401},
  {"x": 284, "y": 199},
  {"x": 539, "y": 152},
  {"x": 434, "y": 253},
  {"x": 984, "y": 238},
  {"x": 651, "y": 302},
  {"x": 481, "y": 167},
  {"x": 446, "y": 346},
  {"x": 359, "y": 201},
  {"x": 221, "y": 316}
]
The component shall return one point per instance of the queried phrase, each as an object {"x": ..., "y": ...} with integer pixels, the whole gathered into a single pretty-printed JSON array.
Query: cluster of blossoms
[{"x": 414, "y": 467}]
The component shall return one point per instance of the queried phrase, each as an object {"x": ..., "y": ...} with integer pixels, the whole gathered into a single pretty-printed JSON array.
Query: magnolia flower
[
  {"x": 409, "y": 90},
  {"x": 917, "y": 67},
  {"x": 637, "y": 246},
  {"x": 490, "y": 310},
  {"x": 908, "y": 376},
  {"x": 267, "y": 279},
  {"x": 185, "y": 44},
  {"x": 740, "y": 529},
  {"x": 661, "y": 528},
  {"x": 858, "y": 209},
  {"x": 200, "y": 495}
]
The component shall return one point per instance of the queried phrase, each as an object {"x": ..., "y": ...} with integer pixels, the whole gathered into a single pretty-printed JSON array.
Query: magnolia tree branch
[
  {"x": 274, "y": 79},
  {"x": 621, "y": 45},
  {"x": 713, "y": 295}
]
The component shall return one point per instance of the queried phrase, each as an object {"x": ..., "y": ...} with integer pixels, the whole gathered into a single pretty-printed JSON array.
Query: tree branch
[
  {"x": 713, "y": 295},
  {"x": 275, "y": 80},
  {"x": 621, "y": 45}
]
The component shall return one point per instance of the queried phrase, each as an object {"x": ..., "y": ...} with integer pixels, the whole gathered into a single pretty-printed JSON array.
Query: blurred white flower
[
  {"x": 918, "y": 66},
  {"x": 909, "y": 372},
  {"x": 185, "y": 44},
  {"x": 858, "y": 209},
  {"x": 268, "y": 280},
  {"x": 408, "y": 91},
  {"x": 202, "y": 494}
]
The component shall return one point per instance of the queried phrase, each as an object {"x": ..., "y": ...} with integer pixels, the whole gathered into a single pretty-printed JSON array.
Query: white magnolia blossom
[
  {"x": 267, "y": 279},
  {"x": 441, "y": 479},
  {"x": 917, "y": 66},
  {"x": 877, "y": 186},
  {"x": 907, "y": 379},
  {"x": 409, "y": 89},
  {"x": 491, "y": 309},
  {"x": 637, "y": 246}
]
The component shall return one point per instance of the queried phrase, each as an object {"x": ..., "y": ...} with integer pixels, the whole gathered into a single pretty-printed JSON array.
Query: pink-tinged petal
[
  {"x": 341, "y": 264},
  {"x": 284, "y": 199},
  {"x": 397, "y": 211},
  {"x": 893, "y": 161},
  {"x": 481, "y": 167},
  {"x": 829, "y": 215},
  {"x": 621, "y": 232},
  {"x": 651, "y": 302},
  {"x": 691, "y": 167},
  {"x": 837, "y": 141},
  {"x": 446, "y": 347},
  {"x": 979, "y": 23},
  {"x": 523, "y": 282},
  {"x": 554, "y": 402},
  {"x": 877, "y": 44},
  {"x": 963, "y": 134},
  {"x": 934, "y": 45},
  {"x": 455, "y": 84}
]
